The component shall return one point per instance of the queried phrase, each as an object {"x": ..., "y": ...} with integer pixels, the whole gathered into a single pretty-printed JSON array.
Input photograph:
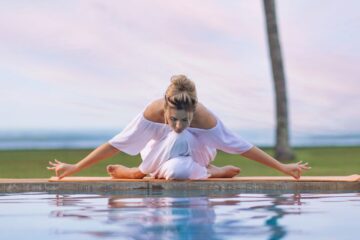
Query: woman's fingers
[
  {"x": 295, "y": 170},
  {"x": 298, "y": 169},
  {"x": 52, "y": 164},
  {"x": 57, "y": 161},
  {"x": 65, "y": 173},
  {"x": 57, "y": 166},
  {"x": 62, "y": 175},
  {"x": 295, "y": 174},
  {"x": 61, "y": 169},
  {"x": 303, "y": 165},
  {"x": 57, "y": 171}
]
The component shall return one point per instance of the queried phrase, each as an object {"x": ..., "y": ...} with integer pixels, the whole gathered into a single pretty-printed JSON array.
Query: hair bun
[
  {"x": 181, "y": 93},
  {"x": 182, "y": 83}
]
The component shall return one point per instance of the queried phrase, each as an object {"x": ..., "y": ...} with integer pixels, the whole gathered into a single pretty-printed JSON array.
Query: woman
[{"x": 177, "y": 138}]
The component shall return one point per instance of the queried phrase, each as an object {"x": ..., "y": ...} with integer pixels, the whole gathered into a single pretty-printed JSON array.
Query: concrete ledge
[{"x": 246, "y": 184}]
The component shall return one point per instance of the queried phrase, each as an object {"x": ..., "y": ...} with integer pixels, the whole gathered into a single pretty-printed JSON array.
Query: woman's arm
[
  {"x": 100, "y": 153},
  {"x": 292, "y": 169},
  {"x": 228, "y": 142}
]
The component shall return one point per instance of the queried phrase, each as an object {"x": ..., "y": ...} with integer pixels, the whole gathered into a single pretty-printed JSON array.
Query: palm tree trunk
[{"x": 283, "y": 151}]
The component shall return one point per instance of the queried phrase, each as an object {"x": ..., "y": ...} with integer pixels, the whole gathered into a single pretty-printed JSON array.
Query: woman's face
[{"x": 178, "y": 120}]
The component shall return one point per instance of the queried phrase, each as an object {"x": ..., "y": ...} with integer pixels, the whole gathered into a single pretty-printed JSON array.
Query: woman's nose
[{"x": 179, "y": 125}]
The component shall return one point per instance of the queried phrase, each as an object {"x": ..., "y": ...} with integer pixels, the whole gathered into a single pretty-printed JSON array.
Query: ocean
[{"x": 69, "y": 139}]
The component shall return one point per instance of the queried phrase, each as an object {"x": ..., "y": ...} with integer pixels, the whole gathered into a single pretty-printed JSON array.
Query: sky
[{"x": 96, "y": 64}]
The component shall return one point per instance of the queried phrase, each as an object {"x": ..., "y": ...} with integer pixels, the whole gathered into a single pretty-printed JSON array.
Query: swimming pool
[{"x": 180, "y": 215}]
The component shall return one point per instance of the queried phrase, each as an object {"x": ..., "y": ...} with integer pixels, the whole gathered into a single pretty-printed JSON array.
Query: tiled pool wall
[{"x": 42, "y": 185}]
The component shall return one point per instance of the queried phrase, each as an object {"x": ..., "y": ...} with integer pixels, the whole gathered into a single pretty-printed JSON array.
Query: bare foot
[
  {"x": 120, "y": 171},
  {"x": 223, "y": 172}
]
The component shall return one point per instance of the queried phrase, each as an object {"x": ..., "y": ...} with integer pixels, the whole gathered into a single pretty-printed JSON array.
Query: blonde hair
[{"x": 181, "y": 95}]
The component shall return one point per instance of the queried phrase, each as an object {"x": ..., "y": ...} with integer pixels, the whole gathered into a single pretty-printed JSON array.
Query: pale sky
[{"x": 96, "y": 64}]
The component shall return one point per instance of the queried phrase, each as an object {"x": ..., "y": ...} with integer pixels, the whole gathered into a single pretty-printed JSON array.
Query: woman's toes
[
  {"x": 237, "y": 170},
  {"x": 233, "y": 171},
  {"x": 111, "y": 169}
]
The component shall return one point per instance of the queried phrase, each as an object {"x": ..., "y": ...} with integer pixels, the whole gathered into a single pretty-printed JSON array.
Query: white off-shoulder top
[{"x": 155, "y": 142}]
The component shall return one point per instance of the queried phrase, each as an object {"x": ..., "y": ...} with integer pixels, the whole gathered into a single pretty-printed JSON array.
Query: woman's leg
[
  {"x": 181, "y": 168},
  {"x": 120, "y": 171},
  {"x": 178, "y": 168},
  {"x": 223, "y": 172}
]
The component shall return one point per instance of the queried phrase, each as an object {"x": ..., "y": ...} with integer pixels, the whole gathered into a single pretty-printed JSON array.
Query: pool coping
[{"x": 107, "y": 185}]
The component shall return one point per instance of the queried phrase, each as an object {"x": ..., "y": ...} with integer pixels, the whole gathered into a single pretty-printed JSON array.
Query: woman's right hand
[{"x": 62, "y": 169}]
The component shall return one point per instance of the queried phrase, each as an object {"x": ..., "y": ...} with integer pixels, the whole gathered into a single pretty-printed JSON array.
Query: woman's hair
[{"x": 181, "y": 94}]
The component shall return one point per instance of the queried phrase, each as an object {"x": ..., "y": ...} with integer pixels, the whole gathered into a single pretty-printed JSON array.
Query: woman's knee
[
  {"x": 176, "y": 169},
  {"x": 177, "y": 174}
]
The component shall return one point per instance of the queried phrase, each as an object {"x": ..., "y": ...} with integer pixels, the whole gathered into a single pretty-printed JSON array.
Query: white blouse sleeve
[
  {"x": 223, "y": 139},
  {"x": 135, "y": 136}
]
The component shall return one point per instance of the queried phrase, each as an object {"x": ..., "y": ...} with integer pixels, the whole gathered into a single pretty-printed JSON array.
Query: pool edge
[{"x": 43, "y": 185}]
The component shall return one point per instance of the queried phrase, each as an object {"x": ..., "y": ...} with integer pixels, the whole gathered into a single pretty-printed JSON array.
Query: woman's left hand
[{"x": 295, "y": 169}]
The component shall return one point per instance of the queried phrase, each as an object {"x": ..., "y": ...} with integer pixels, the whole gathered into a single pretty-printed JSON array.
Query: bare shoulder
[
  {"x": 203, "y": 118},
  {"x": 155, "y": 111}
]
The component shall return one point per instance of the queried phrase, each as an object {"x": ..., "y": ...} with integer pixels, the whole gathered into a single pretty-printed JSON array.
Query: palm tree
[{"x": 283, "y": 151}]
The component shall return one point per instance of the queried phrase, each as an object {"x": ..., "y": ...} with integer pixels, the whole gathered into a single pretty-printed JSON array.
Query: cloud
[{"x": 97, "y": 61}]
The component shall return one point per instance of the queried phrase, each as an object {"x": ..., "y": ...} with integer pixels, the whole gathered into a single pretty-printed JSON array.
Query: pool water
[{"x": 180, "y": 215}]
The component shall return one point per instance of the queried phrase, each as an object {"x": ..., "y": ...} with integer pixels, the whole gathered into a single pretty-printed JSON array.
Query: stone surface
[{"x": 248, "y": 184}]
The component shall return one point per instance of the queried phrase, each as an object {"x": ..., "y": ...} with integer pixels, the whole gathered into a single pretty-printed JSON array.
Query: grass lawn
[{"x": 325, "y": 161}]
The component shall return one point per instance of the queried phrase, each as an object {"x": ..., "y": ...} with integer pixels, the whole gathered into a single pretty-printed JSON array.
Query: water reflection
[
  {"x": 164, "y": 217},
  {"x": 201, "y": 217},
  {"x": 278, "y": 231}
]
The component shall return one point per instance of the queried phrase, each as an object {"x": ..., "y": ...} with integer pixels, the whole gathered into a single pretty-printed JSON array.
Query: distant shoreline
[
  {"x": 18, "y": 140},
  {"x": 90, "y": 148}
]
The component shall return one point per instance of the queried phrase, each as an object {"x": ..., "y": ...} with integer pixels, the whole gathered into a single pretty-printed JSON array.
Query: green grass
[{"x": 323, "y": 160}]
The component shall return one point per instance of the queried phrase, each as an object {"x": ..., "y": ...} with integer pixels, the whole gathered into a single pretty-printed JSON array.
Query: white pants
[
  {"x": 172, "y": 159},
  {"x": 182, "y": 167}
]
